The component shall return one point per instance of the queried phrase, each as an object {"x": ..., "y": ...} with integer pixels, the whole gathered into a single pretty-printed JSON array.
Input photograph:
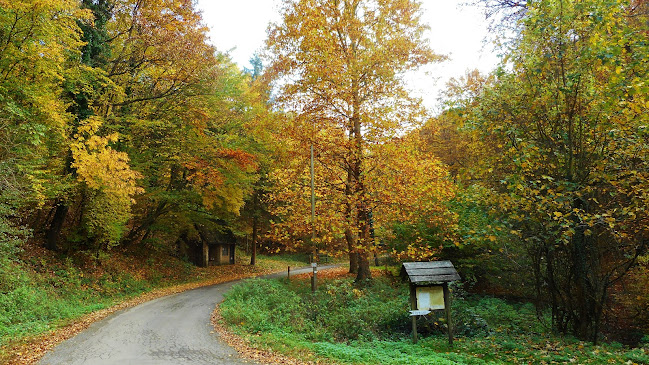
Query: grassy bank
[
  {"x": 47, "y": 297},
  {"x": 370, "y": 325}
]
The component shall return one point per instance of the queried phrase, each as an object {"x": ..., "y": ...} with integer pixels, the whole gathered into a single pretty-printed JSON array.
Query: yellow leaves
[
  {"x": 88, "y": 128},
  {"x": 416, "y": 252},
  {"x": 98, "y": 165},
  {"x": 38, "y": 38},
  {"x": 610, "y": 221},
  {"x": 111, "y": 183}
]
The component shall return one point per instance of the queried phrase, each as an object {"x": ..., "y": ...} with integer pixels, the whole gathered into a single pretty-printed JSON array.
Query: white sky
[{"x": 239, "y": 28}]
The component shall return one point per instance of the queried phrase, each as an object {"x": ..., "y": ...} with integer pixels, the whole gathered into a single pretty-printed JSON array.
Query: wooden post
[
  {"x": 206, "y": 255},
  {"x": 288, "y": 273},
  {"x": 447, "y": 308},
  {"x": 413, "y": 306},
  {"x": 314, "y": 284},
  {"x": 219, "y": 254}
]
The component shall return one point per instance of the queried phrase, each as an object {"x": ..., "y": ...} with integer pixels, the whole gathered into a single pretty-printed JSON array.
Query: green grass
[
  {"x": 277, "y": 262},
  {"x": 370, "y": 325}
]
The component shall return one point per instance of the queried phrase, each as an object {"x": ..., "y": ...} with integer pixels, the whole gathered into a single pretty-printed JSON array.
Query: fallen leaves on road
[
  {"x": 334, "y": 273},
  {"x": 338, "y": 273}
]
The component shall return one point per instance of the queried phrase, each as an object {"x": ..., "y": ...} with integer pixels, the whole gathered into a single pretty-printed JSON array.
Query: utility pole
[
  {"x": 315, "y": 251},
  {"x": 312, "y": 203}
]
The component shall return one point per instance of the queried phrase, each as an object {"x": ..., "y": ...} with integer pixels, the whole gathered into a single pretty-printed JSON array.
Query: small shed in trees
[
  {"x": 217, "y": 246},
  {"x": 429, "y": 290}
]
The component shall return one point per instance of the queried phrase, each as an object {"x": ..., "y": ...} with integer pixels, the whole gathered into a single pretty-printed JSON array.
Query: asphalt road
[{"x": 170, "y": 330}]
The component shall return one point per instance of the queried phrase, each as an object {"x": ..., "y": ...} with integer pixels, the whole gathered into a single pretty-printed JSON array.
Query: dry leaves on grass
[
  {"x": 337, "y": 273},
  {"x": 268, "y": 357},
  {"x": 246, "y": 351},
  {"x": 33, "y": 349}
]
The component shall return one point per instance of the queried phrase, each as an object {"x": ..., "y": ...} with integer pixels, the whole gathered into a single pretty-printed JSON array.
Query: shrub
[
  {"x": 264, "y": 305},
  {"x": 337, "y": 311},
  {"x": 638, "y": 356}
]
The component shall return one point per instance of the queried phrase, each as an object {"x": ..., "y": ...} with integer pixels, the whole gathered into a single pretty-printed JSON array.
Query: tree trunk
[
  {"x": 363, "y": 268},
  {"x": 362, "y": 209},
  {"x": 364, "y": 243},
  {"x": 353, "y": 255},
  {"x": 353, "y": 262},
  {"x": 349, "y": 236},
  {"x": 54, "y": 231}
]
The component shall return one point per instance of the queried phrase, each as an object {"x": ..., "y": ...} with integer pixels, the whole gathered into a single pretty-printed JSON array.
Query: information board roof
[{"x": 428, "y": 273}]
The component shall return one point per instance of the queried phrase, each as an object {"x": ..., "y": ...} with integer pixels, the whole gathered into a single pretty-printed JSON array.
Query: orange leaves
[
  {"x": 245, "y": 160},
  {"x": 402, "y": 185},
  {"x": 222, "y": 177},
  {"x": 202, "y": 174},
  {"x": 342, "y": 58},
  {"x": 409, "y": 186}
]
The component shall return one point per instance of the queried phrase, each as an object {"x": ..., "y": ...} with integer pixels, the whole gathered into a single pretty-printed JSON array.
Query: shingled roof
[{"x": 432, "y": 272}]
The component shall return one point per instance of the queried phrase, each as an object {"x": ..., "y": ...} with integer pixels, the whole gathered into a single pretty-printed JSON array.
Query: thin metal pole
[
  {"x": 314, "y": 283},
  {"x": 312, "y": 200}
]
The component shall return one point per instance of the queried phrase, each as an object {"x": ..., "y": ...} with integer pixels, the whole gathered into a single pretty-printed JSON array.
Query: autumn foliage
[
  {"x": 117, "y": 115},
  {"x": 559, "y": 137},
  {"x": 121, "y": 126},
  {"x": 338, "y": 68}
]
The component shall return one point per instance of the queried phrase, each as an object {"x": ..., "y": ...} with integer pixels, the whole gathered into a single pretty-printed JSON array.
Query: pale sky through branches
[{"x": 239, "y": 28}]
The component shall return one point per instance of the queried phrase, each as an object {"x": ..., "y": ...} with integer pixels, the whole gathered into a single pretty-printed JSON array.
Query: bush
[
  {"x": 338, "y": 311},
  {"x": 375, "y": 312},
  {"x": 484, "y": 316},
  {"x": 638, "y": 356},
  {"x": 342, "y": 323},
  {"x": 264, "y": 305}
]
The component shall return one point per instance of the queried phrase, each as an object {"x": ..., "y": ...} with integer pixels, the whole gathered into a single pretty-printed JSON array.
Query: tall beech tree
[{"x": 339, "y": 66}]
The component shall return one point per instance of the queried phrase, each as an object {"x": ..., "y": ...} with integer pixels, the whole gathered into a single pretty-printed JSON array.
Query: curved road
[{"x": 170, "y": 330}]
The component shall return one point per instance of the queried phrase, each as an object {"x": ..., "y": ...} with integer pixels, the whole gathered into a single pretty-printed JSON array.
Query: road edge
[
  {"x": 245, "y": 351},
  {"x": 31, "y": 350}
]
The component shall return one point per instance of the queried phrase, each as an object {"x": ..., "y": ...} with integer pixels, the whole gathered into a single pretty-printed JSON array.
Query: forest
[{"x": 123, "y": 131}]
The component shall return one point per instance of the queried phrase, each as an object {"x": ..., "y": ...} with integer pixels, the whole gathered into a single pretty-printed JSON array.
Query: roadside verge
[{"x": 31, "y": 350}]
